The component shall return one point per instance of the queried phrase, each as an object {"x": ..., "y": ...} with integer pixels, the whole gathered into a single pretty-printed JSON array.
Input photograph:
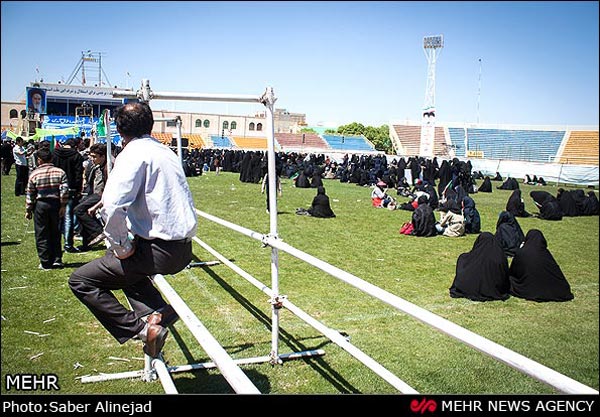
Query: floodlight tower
[{"x": 432, "y": 46}]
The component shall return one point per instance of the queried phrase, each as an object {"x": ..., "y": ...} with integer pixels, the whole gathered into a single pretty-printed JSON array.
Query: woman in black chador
[
  {"x": 482, "y": 273},
  {"x": 515, "y": 205},
  {"x": 508, "y": 233},
  {"x": 547, "y": 204},
  {"x": 567, "y": 203},
  {"x": 591, "y": 206},
  {"x": 534, "y": 273},
  {"x": 486, "y": 186},
  {"x": 320, "y": 206},
  {"x": 509, "y": 184},
  {"x": 472, "y": 217},
  {"x": 423, "y": 219}
]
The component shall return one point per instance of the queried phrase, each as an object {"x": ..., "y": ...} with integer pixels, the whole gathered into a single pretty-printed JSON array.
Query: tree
[{"x": 378, "y": 136}]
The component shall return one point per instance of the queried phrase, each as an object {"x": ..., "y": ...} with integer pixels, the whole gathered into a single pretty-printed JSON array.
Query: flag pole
[{"x": 108, "y": 140}]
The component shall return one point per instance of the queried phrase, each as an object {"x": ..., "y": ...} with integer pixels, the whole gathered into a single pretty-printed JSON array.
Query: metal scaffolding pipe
[
  {"x": 332, "y": 334},
  {"x": 232, "y": 373},
  {"x": 519, "y": 362},
  {"x": 164, "y": 376}
]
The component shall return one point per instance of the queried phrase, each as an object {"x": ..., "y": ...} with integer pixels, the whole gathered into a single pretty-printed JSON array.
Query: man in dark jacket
[{"x": 68, "y": 158}]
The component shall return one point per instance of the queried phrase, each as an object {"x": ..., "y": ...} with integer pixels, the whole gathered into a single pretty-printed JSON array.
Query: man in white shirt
[
  {"x": 21, "y": 166},
  {"x": 149, "y": 219}
]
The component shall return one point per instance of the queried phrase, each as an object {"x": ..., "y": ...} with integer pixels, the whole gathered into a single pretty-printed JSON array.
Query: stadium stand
[
  {"x": 348, "y": 143},
  {"x": 195, "y": 141},
  {"x": 581, "y": 148},
  {"x": 410, "y": 140},
  {"x": 296, "y": 141},
  {"x": 249, "y": 142},
  {"x": 440, "y": 146},
  {"x": 520, "y": 145},
  {"x": 164, "y": 138},
  {"x": 457, "y": 138}
]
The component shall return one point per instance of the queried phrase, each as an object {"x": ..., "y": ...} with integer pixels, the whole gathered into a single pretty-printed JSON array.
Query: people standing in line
[
  {"x": 90, "y": 227},
  {"x": 21, "y": 166},
  {"x": 68, "y": 158},
  {"x": 150, "y": 220},
  {"x": 47, "y": 194}
]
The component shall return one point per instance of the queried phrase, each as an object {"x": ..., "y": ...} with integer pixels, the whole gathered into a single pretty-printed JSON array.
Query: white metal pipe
[
  {"x": 179, "y": 152},
  {"x": 232, "y": 373},
  {"x": 333, "y": 335},
  {"x": 269, "y": 101},
  {"x": 538, "y": 371},
  {"x": 110, "y": 377},
  {"x": 109, "y": 157},
  {"x": 190, "y": 96},
  {"x": 164, "y": 376},
  {"x": 534, "y": 369},
  {"x": 232, "y": 226},
  {"x": 248, "y": 361}
]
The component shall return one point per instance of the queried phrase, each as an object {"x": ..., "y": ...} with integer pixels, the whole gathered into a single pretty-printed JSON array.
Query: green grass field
[{"x": 45, "y": 329}]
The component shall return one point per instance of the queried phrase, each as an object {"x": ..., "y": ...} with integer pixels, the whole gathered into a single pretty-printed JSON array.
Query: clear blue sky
[{"x": 337, "y": 62}]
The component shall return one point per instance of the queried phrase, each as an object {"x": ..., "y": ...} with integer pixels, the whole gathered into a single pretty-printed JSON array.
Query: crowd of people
[
  {"x": 67, "y": 187},
  {"x": 61, "y": 213}
]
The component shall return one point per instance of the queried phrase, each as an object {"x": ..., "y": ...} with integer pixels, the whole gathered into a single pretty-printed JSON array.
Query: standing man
[
  {"x": 7, "y": 156},
  {"x": 149, "y": 221},
  {"x": 47, "y": 194},
  {"x": 90, "y": 227},
  {"x": 20, "y": 156},
  {"x": 68, "y": 158}
]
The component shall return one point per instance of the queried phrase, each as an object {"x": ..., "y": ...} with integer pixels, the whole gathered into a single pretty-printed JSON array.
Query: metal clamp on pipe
[
  {"x": 266, "y": 238},
  {"x": 277, "y": 301}
]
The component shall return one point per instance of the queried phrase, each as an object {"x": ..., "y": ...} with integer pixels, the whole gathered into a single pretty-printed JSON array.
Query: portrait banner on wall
[{"x": 36, "y": 100}]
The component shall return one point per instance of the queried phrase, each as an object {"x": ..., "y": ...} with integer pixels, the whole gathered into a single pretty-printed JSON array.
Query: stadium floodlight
[
  {"x": 432, "y": 46},
  {"x": 433, "y": 42}
]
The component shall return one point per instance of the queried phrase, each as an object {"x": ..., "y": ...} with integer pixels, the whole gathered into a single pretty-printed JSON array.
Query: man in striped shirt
[{"x": 46, "y": 198}]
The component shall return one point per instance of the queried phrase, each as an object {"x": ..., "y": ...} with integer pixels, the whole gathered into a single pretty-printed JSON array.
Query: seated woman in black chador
[
  {"x": 508, "y": 233},
  {"x": 498, "y": 177},
  {"x": 591, "y": 205},
  {"x": 547, "y": 204},
  {"x": 302, "y": 181},
  {"x": 515, "y": 205},
  {"x": 472, "y": 217},
  {"x": 509, "y": 184},
  {"x": 482, "y": 273},
  {"x": 534, "y": 273},
  {"x": 423, "y": 219},
  {"x": 486, "y": 186},
  {"x": 567, "y": 203},
  {"x": 320, "y": 206}
]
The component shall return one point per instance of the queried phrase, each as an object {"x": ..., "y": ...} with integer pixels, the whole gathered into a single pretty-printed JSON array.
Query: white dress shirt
[{"x": 147, "y": 195}]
